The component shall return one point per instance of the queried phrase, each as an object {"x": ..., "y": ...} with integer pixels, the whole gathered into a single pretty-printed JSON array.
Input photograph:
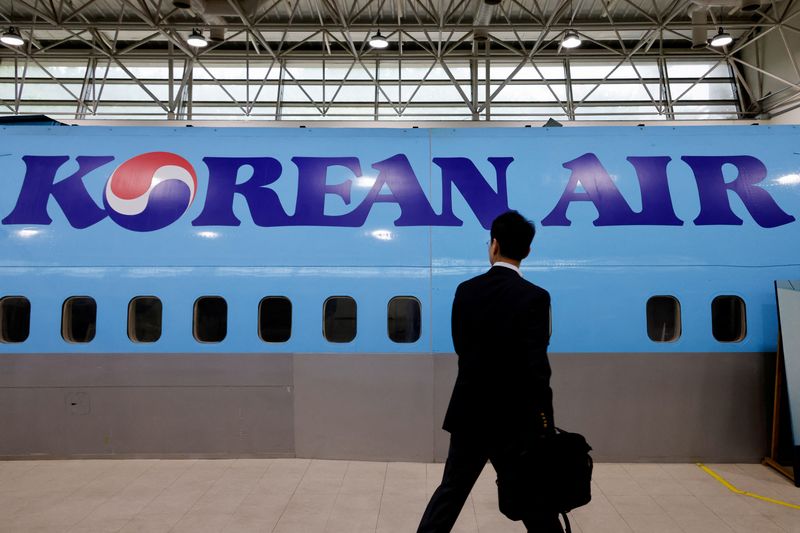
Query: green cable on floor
[{"x": 744, "y": 492}]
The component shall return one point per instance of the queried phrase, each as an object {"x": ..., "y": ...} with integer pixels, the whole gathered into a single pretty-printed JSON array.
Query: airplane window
[
  {"x": 15, "y": 319},
  {"x": 663, "y": 318},
  {"x": 728, "y": 319},
  {"x": 404, "y": 319},
  {"x": 79, "y": 319},
  {"x": 340, "y": 319},
  {"x": 275, "y": 319},
  {"x": 210, "y": 319},
  {"x": 144, "y": 319}
]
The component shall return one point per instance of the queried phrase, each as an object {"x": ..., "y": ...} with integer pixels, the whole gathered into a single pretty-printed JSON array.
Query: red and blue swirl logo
[{"x": 150, "y": 191}]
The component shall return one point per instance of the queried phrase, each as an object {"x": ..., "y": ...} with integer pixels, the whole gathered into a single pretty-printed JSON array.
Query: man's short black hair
[{"x": 514, "y": 234}]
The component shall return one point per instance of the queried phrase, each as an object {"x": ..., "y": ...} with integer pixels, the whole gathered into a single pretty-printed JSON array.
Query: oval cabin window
[
  {"x": 404, "y": 319},
  {"x": 663, "y": 319},
  {"x": 15, "y": 319},
  {"x": 339, "y": 319},
  {"x": 728, "y": 319},
  {"x": 144, "y": 319},
  {"x": 79, "y": 319},
  {"x": 275, "y": 319},
  {"x": 210, "y": 319}
]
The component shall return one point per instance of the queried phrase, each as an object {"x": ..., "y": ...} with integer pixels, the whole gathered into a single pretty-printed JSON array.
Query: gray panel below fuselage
[{"x": 631, "y": 407}]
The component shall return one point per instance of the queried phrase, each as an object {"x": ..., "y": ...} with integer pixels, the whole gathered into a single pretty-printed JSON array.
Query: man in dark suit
[{"x": 501, "y": 329}]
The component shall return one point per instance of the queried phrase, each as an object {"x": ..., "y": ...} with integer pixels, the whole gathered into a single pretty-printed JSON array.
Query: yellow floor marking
[{"x": 744, "y": 492}]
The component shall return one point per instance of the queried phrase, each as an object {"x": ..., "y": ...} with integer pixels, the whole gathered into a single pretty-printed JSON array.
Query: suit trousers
[{"x": 465, "y": 461}]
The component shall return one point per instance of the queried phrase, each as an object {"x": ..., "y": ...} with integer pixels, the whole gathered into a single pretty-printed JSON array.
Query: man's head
[{"x": 512, "y": 235}]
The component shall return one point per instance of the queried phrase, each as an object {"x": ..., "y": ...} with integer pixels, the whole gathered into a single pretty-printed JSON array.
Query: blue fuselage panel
[{"x": 622, "y": 214}]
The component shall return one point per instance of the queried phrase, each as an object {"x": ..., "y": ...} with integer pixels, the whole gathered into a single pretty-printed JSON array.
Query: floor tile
[
  {"x": 659, "y": 487},
  {"x": 611, "y": 470},
  {"x": 729, "y": 505},
  {"x": 684, "y": 471},
  {"x": 603, "y": 523},
  {"x": 147, "y": 525},
  {"x": 308, "y": 496},
  {"x": 240, "y": 524},
  {"x": 684, "y": 505},
  {"x": 468, "y": 519},
  {"x": 634, "y": 504},
  {"x": 354, "y": 513},
  {"x": 644, "y": 471},
  {"x": 619, "y": 486},
  {"x": 652, "y": 523},
  {"x": 702, "y": 525},
  {"x": 308, "y": 510},
  {"x": 752, "y": 524}
]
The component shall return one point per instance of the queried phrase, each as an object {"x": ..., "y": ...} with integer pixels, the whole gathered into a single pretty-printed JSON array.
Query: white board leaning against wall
[{"x": 788, "y": 293}]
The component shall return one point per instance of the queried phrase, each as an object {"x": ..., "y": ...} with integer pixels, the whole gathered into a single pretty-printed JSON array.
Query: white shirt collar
[{"x": 508, "y": 265}]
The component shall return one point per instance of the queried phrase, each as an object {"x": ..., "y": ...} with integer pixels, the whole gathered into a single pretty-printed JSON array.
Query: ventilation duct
[
  {"x": 707, "y": 4},
  {"x": 480, "y": 35},
  {"x": 749, "y": 6},
  {"x": 746, "y": 6},
  {"x": 699, "y": 27},
  {"x": 220, "y": 8},
  {"x": 482, "y": 19},
  {"x": 213, "y": 11},
  {"x": 216, "y": 34},
  {"x": 484, "y": 14},
  {"x": 698, "y": 11}
]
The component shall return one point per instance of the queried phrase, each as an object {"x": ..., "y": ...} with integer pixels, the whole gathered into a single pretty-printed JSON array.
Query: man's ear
[{"x": 528, "y": 252}]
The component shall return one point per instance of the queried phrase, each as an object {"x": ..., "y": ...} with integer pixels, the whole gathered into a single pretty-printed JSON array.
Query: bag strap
[{"x": 566, "y": 523}]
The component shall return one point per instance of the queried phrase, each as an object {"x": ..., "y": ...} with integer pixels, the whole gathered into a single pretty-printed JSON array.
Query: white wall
[
  {"x": 770, "y": 54},
  {"x": 791, "y": 117}
]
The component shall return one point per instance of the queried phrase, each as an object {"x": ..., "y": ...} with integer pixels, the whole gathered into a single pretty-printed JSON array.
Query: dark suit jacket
[{"x": 501, "y": 329}]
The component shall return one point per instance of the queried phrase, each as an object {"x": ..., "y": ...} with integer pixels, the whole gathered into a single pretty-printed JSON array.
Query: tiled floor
[{"x": 304, "y": 496}]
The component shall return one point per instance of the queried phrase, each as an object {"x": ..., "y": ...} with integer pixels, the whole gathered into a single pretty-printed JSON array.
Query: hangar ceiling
[{"x": 446, "y": 59}]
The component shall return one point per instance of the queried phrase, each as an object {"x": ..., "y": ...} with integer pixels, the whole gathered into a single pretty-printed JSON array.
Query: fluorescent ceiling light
[
  {"x": 197, "y": 40},
  {"x": 12, "y": 37},
  {"x": 571, "y": 40},
  {"x": 378, "y": 41},
  {"x": 721, "y": 39}
]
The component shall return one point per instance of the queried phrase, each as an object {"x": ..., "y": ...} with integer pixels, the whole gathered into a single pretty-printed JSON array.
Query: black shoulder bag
[{"x": 551, "y": 472}]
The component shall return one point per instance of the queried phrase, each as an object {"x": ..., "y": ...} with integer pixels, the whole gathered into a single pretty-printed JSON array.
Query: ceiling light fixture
[
  {"x": 571, "y": 39},
  {"x": 721, "y": 39},
  {"x": 12, "y": 37},
  {"x": 378, "y": 41},
  {"x": 196, "y": 39}
]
